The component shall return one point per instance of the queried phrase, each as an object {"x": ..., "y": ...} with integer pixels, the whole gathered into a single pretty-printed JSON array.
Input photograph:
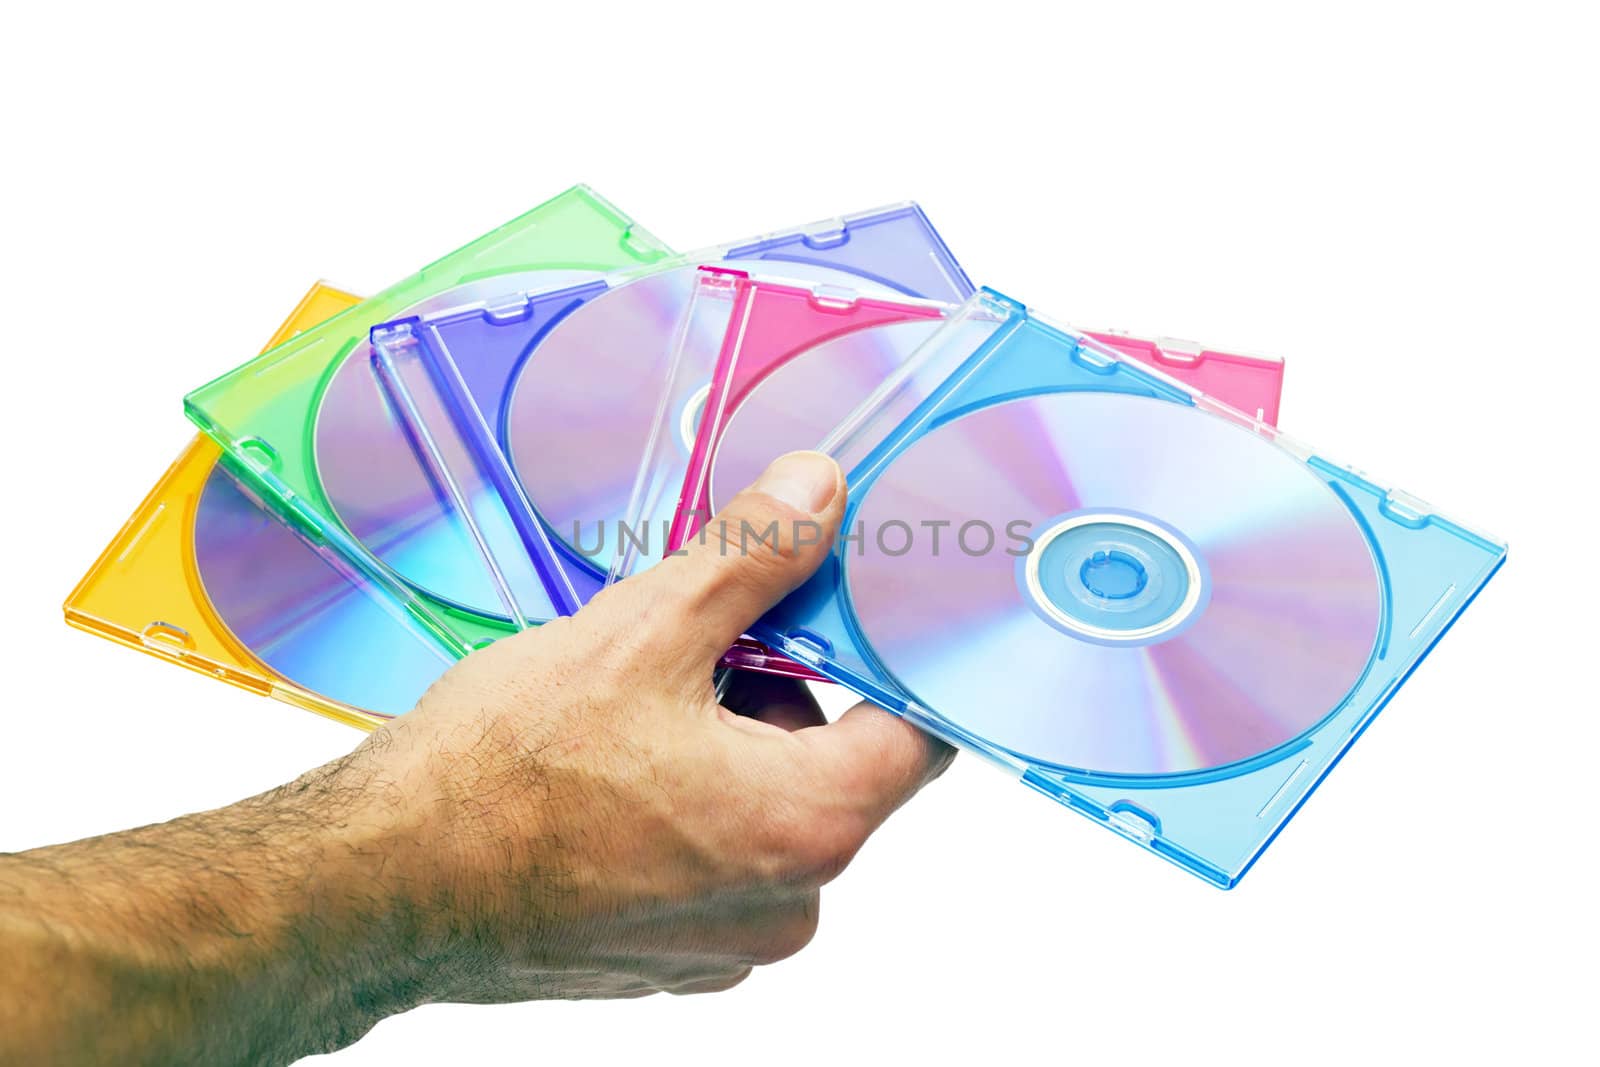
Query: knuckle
[
  {"x": 830, "y": 852},
  {"x": 756, "y": 525},
  {"x": 788, "y": 937},
  {"x": 818, "y": 849},
  {"x": 801, "y": 837},
  {"x": 714, "y": 984},
  {"x": 780, "y": 852}
]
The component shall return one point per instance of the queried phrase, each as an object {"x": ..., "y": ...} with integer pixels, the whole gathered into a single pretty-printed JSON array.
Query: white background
[{"x": 1401, "y": 200}]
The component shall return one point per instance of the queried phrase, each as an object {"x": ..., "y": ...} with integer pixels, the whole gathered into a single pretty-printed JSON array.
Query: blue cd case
[{"x": 1080, "y": 656}]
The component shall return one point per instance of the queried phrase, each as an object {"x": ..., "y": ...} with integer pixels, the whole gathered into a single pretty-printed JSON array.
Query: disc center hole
[{"x": 1113, "y": 575}]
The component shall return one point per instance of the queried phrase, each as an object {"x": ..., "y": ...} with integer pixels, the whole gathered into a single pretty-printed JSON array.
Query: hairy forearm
[{"x": 256, "y": 933}]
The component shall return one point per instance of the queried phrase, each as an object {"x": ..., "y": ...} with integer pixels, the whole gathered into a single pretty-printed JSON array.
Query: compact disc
[
  {"x": 1113, "y": 584},
  {"x": 295, "y": 613},
  {"x": 802, "y": 399},
  {"x": 386, "y": 497},
  {"x": 581, "y": 412}
]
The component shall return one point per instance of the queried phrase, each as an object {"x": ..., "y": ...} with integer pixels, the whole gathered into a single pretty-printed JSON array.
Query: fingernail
[{"x": 803, "y": 480}]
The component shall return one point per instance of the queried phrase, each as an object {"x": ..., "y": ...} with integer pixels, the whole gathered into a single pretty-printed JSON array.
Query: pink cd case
[
  {"x": 765, "y": 365},
  {"x": 1251, "y": 384}
]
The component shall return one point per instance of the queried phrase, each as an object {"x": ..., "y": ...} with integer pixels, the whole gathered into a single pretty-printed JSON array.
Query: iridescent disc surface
[
  {"x": 1288, "y": 629},
  {"x": 381, "y": 492},
  {"x": 580, "y": 414},
  {"x": 801, "y": 400},
  {"x": 297, "y": 614}
]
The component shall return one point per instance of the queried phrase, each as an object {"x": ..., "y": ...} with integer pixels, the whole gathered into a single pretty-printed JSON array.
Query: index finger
[{"x": 878, "y": 759}]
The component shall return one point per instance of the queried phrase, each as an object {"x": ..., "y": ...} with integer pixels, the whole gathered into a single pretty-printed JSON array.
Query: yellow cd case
[{"x": 145, "y": 591}]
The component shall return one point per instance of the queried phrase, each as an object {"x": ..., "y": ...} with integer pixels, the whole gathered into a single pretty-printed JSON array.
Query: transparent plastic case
[
  {"x": 786, "y": 362},
  {"x": 148, "y": 589},
  {"x": 531, "y": 409},
  {"x": 309, "y": 427},
  {"x": 1353, "y": 583}
]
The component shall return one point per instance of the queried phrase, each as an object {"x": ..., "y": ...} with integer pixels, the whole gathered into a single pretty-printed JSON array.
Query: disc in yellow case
[{"x": 205, "y": 575}]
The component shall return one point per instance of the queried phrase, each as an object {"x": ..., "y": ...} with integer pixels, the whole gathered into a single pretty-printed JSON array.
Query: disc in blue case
[
  {"x": 1155, "y": 609},
  {"x": 531, "y": 411}
]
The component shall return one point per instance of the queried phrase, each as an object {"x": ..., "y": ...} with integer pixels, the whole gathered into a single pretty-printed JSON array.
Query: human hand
[{"x": 572, "y": 814}]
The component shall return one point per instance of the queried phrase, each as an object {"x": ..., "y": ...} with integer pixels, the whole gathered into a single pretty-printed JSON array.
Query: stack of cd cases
[{"x": 1088, "y": 557}]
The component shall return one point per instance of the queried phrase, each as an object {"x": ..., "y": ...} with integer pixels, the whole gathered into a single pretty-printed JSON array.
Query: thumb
[{"x": 750, "y": 555}]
